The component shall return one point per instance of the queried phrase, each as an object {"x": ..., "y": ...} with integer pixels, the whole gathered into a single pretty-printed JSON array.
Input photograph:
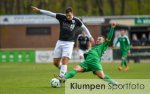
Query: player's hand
[
  {"x": 113, "y": 24},
  {"x": 35, "y": 9}
]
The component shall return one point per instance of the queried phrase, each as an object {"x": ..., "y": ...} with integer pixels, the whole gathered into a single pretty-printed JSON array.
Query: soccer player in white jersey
[{"x": 64, "y": 46}]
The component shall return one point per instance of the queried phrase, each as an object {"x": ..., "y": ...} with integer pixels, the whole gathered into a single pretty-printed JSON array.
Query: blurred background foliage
[{"x": 80, "y": 7}]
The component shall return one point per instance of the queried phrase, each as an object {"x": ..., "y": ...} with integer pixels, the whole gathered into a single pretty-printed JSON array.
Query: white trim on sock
[{"x": 63, "y": 70}]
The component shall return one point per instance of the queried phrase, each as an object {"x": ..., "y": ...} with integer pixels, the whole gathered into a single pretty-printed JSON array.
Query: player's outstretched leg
[
  {"x": 106, "y": 78},
  {"x": 71, "y": 73},
  {"x": 74, "y": 72},
  {"x": 67, "y": 75}
]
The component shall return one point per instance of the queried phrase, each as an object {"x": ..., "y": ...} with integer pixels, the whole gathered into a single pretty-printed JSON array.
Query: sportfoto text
[{"x": 126, "y": 86}]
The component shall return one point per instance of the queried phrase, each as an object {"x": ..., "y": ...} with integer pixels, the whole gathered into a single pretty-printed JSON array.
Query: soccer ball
[{"x": 55, "y": 83}]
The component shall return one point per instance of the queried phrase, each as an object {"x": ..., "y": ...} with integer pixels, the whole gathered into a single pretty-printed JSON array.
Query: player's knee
[
  {"x": 79, "y": 69},
  {"x": 65, "y": 60},
  {"x": 100, "y": 74},
  {"x": 56, "y": 64},
  {"x": 123, "y": 58}
]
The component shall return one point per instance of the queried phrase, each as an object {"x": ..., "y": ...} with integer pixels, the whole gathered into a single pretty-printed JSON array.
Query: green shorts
[
  {"x": 124, "y": 54},
  {"x": 92, "y": 63}
]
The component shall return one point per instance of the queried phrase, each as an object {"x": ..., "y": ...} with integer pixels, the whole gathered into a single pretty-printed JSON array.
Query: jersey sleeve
[
  {"x": 109, "y": 36},
  {"x": 86, "y": 30},
  {"x": 49, "y": 13},
  {"x": 104, "y": 46},
  {"x": 79, "y": 22},
  {"x": 60, "y": 16},
  {"x": 117, "y": 42},
  {"x": 128, "y": 43}
]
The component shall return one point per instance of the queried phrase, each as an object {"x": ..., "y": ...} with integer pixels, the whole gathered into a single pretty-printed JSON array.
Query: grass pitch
[{"x": 26, "y": 78}]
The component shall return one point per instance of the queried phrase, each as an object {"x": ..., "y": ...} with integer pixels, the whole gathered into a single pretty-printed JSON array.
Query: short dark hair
[
  {"x": 123, "y": 30},
  {"x": 69, "y": 9}
]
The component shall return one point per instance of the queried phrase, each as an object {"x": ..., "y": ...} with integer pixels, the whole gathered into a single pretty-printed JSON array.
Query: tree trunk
[
  {"x": 29, "y": 4},
  {"x": 64, "y": 4},
  {"x": 100, "y": 7},
  {"x": 112, "y": 6},
  {"x": 139, "y": 6},
  {"x": 12, "y": 6},
  {"x": 122, "y": 7},
  {"x": 6, "y": 7},
  {"x": 19, "y": 8},
  {"x": 1, "y": 7},
  {"x": 40, "y": 4}
]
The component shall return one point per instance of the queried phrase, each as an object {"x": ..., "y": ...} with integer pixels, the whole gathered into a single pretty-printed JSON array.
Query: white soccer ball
[{"x": 55, "y": 83}]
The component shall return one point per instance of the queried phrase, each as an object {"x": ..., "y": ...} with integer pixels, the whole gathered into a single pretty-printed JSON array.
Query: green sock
[
  {"x": 70, "y": 74},
  {"x": 125, "y": 62},
  {"x": 122, "y": 63},
  {"x": 109, "y": 80}
]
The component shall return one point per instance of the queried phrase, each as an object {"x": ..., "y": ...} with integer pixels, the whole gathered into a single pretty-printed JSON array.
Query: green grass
[{"x": 26, "y": 78}]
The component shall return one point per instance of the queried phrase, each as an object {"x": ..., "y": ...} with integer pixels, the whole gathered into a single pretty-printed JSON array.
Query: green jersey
[
  {"x": 99, "y": 50},
  {"x": 93, "y": 57},
  {"x": 124, "y": 43}
]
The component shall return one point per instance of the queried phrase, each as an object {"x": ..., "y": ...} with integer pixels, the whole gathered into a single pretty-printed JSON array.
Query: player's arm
[
  {"x": 128, "y": 44},
  {"x": 84, "y": 28},
  {"x": 116, "y": 42},
  {"x": 111, "y": 32},
  {"x": 109, "y": 37},
  {"x": 87, "y": 33},
  {"x": 49, "y": 13},
  {"x": 89, "y": 45}
]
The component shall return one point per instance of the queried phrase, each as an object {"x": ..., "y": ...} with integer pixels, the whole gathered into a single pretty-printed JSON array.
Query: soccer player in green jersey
[
  {"x": 124, "y": 49},
  {"x": 92, "y": 60}
]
